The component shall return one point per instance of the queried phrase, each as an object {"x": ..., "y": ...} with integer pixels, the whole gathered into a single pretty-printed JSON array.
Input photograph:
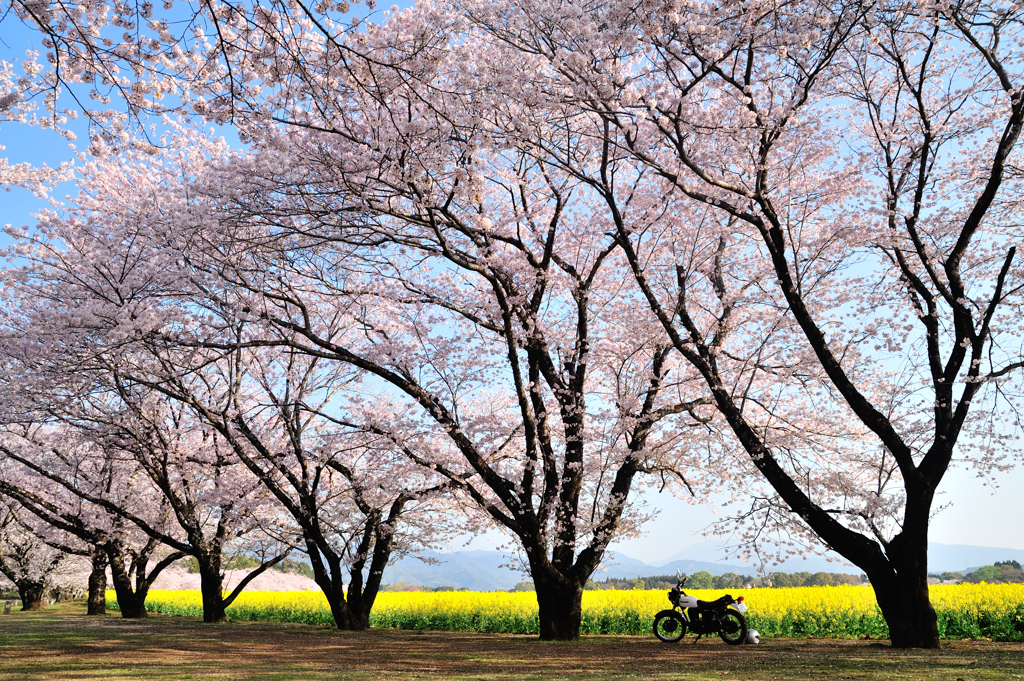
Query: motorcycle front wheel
[
  {"x": 732, "y": 627},
  {"x": 669, "y": 626}
]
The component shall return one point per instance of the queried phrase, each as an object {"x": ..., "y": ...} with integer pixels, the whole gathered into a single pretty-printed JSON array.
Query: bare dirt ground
[{"x": 62, "y": 643}]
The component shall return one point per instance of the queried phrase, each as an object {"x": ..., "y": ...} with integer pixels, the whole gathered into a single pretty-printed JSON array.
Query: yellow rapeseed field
[{"x": 965, "y": 611}]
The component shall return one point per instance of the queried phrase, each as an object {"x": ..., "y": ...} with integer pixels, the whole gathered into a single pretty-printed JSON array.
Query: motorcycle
[{"x": 723, "y": 616}]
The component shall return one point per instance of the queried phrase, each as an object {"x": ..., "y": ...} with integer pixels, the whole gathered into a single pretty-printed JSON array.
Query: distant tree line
[
  {"x": 729, "y": 580},
  {"x": 405, "y": 586},
  {"x": 642, "y": 583},
  {"x": 1000, "y": 572},
  {"x": 243, "y": 562},
  {"x": 782, "y": 579}
]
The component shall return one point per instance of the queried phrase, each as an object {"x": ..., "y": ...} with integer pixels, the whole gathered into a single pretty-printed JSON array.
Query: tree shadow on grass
[{"x": 62, "y": 643}]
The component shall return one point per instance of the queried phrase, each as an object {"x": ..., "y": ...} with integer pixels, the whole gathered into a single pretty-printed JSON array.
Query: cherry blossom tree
[
  {"x": 143, "y": 388},
  {"x": 846, "y": 210},
  {"x": 488, "y": 312},
  {"x": 71, "y": 464},
  {"x": 77, "y": 413},
  {"x": 511, "y": 259},
  {"x": 482, "y": 286},
  {"x": 33, "y": 562},
  {"x": 118, "y": 64},
  {"x": 179, "y": 486},
  {"x": 35, "y": 496},
  {"x": 54, "y": 478},
  {"x": 357, "y": 499},
  {"x": 216, "y": 505}
]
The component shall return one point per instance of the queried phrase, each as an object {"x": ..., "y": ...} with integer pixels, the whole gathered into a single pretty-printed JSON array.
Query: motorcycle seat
[{"x": 717, "y": 603}]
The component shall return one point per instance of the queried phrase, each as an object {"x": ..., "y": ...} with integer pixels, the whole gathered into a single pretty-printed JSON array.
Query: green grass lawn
[{"x": 62, "y": 643}]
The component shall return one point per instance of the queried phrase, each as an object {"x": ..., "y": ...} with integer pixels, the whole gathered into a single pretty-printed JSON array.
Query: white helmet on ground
[{"x": 753, "y": 636}]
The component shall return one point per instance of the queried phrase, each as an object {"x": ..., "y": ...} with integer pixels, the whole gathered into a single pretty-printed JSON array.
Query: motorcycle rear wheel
[
  {"x": 733, "y": 627},
  {"x": 669, "y": 626}
]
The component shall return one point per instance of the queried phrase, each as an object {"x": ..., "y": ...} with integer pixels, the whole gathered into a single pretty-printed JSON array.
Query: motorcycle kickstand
[{"x": 697, "y": 639}]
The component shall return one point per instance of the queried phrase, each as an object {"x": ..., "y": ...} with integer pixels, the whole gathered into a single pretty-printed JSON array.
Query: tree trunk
[
  {"x": 358, "y": 609},
  {"x": 344, "y": 617},
  {"x": 902, "y": 591},
  {"x": 361, "y": 596},
  {"x": 132, "y": 605},
  {"x": 908, "y": 612},
  {"x": 560, "y": 604},
  {"x": 347, "y": 619},
  {"x": 358, "y": 600},
  {"x": 211, "y": 584},
  {"x": 328, "y": 578},
  {"x": 31, "y": 595},
  {"x": 98, "y": 584}
]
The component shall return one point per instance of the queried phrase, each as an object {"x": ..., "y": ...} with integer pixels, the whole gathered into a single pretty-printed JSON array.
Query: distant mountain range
[
  {"x": 475, "y": 570},
  {"x": 963, "y": 558},
  {"x": 494, "y": 570}
]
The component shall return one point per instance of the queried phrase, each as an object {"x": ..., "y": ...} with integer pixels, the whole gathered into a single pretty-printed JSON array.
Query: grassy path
[{"x": 62, "y": 643}]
